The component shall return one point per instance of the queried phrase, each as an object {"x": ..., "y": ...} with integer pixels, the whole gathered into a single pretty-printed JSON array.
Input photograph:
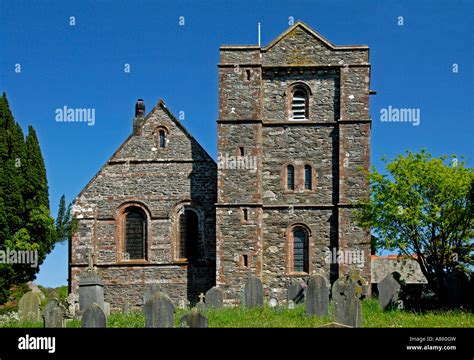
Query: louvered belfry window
[{"x": 299, "y": 105}]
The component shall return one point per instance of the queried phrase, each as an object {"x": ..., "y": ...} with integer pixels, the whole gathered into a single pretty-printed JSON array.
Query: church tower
[{"x": 293, "y": 136}]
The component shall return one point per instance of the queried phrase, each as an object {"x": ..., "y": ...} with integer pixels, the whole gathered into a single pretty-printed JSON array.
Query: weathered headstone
[
  {"x": 273, "y": 302},
  {"x": 346, "y": 295},
  {"x": 357, "y": 284},
  {"x": 291, "y": 304},
  {"x": 107, "y": 308},
  {"x": 29, "y": 307},
  {"x": 72, "y": 301},
  {"x": 159, "y": 311},
  {"x": 253, "y": 292},
  {"x": 194, "y": 320},
  {"x": 149, "y": 291},
  {"x": 214, "y": 298},
  {"x": 54, "y": 314},
  {"x": 389, "y": 290},
  {"x": 94, "y": 317},
  {"x": 296, "y": 292},
  {"x": 90, "y": 290},
  {"x": 201, "y": 306},
  {"x": 317, "y": 296},
  {"x": 33, "y": 287},
  {"x": 183, "y": 304}
]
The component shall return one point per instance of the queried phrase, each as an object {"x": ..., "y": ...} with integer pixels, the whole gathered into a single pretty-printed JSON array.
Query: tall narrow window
[
  {"x": 247, "y": 72},
  {"x": 189, "y": 235},
  {"x": 241, "y": 151},
  {"x": 135, "y": 234},
  {"x": 162, "y": 136},
  {"x": 245, "y": 260},
  {"x": 308, "y": 177},
  {"x": 299, "y": 105},
  {"x": 245, "y": 214},
  {"x": 290, "y": 173},
  {"x": 300, "y": 250}
]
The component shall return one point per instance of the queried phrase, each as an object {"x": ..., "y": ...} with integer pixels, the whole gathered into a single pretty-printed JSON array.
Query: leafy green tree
[{"x": 424, "y": 207}]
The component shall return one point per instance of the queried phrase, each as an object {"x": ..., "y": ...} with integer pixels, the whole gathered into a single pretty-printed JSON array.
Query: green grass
[{"x": 240, "y": 317}]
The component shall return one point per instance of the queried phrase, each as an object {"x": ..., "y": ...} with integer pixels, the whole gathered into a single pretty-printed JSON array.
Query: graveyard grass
[{"x": 261, "y": 317}]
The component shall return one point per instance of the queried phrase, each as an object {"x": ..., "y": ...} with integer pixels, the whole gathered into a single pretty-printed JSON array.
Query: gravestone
[
  {"x": 214, "y": 298},
  {"x": 72, "y": 301},
  {"x": 347, "y": 293},
  {"x": 90, "y": 290},
  {"x": 33, "y": 287},
  {"x": 253, "y": 292},
  {"x": 291, "y": 304},
  {"x": 296, "y": 292},
  {"x": 194, "y": 320},
  {"x": 29, "y": 307},
  {"x": 107, "y": 308},
  {"x": 389, "y": 291},
  {"x": 317, "y": 296},
  {"x": 201, "y": 305},
  {"x": 150, "y": 290},
  {"x": 273, "y": 302},
  {"x": 357, "y": 284},
  {"x": 94, "y": 317},
  {"x": 159, "y": 311},
  {"x": 183, "y": 304},
  {"x": 54, "y": 314}
]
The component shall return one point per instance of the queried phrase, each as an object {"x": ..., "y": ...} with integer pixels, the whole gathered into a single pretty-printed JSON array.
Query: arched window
[
  {"x": 308, "y": 177},
  {"x": 188, "y": 235},
  {"x": 300, "y": 249},
  {"x": 162, "y": 138},
  {"x": 135, "y": 233},
  {"x": 299, "y": 104},
  {"x": 290, "y": 177}
]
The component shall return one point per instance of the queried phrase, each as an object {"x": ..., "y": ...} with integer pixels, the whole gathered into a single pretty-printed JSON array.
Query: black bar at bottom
[{"x": 225, "y": 343}]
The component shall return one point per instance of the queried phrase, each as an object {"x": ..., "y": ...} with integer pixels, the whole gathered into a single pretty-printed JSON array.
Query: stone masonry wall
[
  {"x": 335, "y": 141},
  {"x": 161, "y": 181}
]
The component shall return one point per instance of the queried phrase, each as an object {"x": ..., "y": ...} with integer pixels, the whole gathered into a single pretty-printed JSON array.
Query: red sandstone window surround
[
  {"x": 298, "y": 250},
  {"x": 132, "y": 232},
  {"x": 160, "y": 137},
  {"x": 298, "y": 95}
]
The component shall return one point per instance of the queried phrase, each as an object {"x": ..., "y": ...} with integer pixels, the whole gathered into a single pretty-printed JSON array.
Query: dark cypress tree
[
  {"x": 25, "y": 221},
  {"x": 36, "y": 184},
  {"x": 13, "y": 158}
]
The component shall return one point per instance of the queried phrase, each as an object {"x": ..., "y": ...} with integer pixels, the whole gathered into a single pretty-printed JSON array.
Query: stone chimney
[
  {"x": 140, "y": 108},
  {"x": 139, "y": 116}
]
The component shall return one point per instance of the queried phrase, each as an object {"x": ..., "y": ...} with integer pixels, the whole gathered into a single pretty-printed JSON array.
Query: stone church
[{"x": 293, "y": 138}]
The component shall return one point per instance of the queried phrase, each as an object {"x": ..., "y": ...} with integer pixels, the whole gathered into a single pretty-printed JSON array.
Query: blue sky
[{"x": 82, "y": 66}]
